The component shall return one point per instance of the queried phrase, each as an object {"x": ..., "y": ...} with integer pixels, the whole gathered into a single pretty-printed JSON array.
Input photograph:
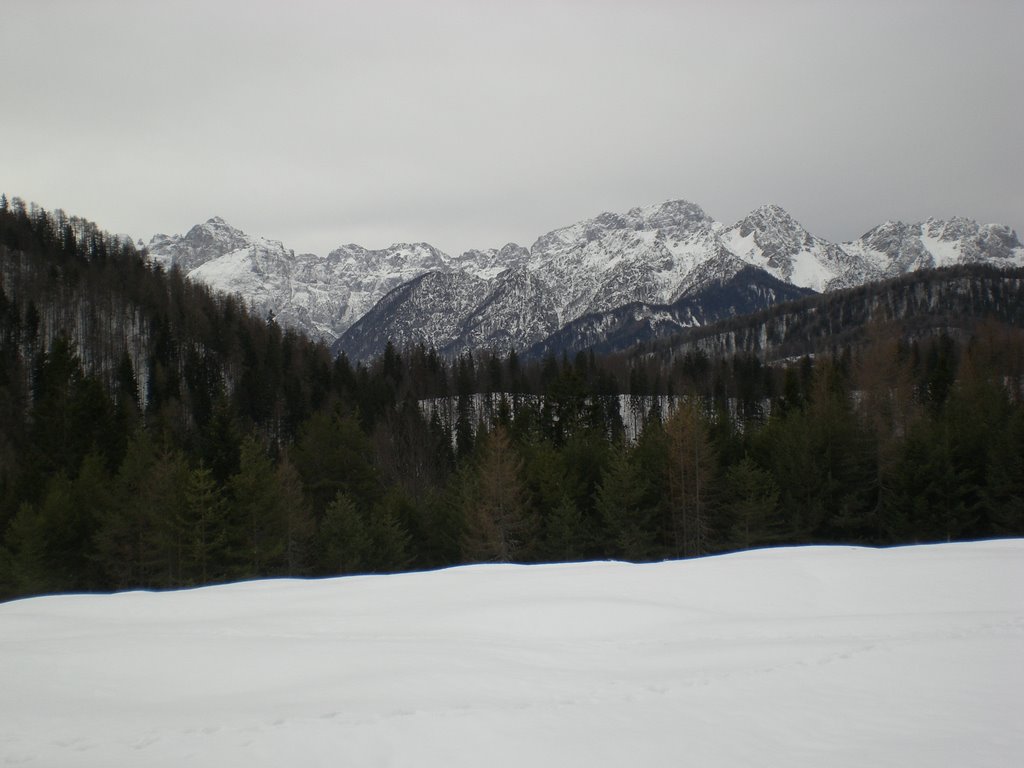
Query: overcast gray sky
[{"x": 474, "y": 123}]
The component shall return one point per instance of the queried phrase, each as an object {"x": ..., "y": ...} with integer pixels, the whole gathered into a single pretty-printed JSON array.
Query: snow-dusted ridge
[
  {"x": 655, "y": 255},
  {"x": 801, "y": 657}
]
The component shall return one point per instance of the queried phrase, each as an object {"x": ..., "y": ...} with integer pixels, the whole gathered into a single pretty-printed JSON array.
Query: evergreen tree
[
  {"x": 389, "y": 541},
  {"x": 51, "y": 543},
  {"x": 333, "y": 455},
  {"x": 221, "y": 442},
  {"x": 26, "y": 561},
  {"x": 628, "y": 521},
  {"x": 344, "y": 539},
  {"x": 1004, "y": 491},
  {"x": 750, "y": 500},
  {"x": 125, "y": 530},
  {"x": 207, "y": 555},
  {"x": 257, "y": 509},
  {"x": 565, "y": 533},
  {"x": 552, "y": 494}
]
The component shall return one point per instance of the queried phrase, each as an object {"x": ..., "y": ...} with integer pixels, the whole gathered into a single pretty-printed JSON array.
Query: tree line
[{"x": 156, "y": 435}]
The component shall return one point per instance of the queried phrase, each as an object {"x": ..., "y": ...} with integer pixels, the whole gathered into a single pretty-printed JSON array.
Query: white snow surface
[{"x": 817, "y": 656}]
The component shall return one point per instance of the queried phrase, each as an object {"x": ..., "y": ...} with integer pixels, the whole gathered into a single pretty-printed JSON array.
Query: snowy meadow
[{"x": 812, "y": 656}]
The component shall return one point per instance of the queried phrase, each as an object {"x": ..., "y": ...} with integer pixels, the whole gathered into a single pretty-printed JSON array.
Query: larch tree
[
  {"x": 691, "y": 469},
  {"x": 497, "y": 516}
]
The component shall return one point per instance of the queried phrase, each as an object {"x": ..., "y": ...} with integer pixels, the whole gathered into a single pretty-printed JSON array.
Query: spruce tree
[
  {"x": 750, "y": 501},
  {"x": 344, "y": 541},
  {"x": 257, "y": 510},
  {"x": 619, "y": 501},
  {"x": 206, "y": 526}
]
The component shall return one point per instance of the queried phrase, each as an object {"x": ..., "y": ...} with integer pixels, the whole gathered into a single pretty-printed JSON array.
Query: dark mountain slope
[
  {"x": 951, "y": 300},
  {"x": 749, "y": 290}
]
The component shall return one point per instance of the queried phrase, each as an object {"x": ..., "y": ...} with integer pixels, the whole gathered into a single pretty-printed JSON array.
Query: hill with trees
[{"x": 155, "y": 434}]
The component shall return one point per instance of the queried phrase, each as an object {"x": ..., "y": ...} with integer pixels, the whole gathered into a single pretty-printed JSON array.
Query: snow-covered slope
[
  {"x": 644, "y": 254},
  {"x": 806, "y": 657},
  {"x": 894, "y": 248},
  {"x": 273, "y": 279},
  {"x": 771, "y": 239}
]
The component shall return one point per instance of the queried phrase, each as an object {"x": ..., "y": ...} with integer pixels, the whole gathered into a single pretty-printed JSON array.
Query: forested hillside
[
  {"x": 153, "y": 434},
  {"x": 952, "y": 300}
]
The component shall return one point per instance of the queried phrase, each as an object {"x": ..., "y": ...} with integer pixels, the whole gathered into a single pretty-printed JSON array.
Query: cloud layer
[{"x": 470, "y": 124}]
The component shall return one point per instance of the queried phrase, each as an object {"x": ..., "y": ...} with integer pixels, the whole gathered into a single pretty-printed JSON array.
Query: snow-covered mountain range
[
  {"x": 646, "y": 258},
  {"x": 319, "y": 296}
]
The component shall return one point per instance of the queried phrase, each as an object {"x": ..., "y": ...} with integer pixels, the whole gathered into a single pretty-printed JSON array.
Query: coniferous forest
[{"x": 155, "y": 435}]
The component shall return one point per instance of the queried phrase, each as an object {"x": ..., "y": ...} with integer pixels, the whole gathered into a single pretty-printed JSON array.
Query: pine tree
[
  {"x": 619, "y": 501},
  {"x": 552, "y": 492},
  {"x": 751, "y": 500},
  {"x": 221, "y": 441},
  {"x": 51, "y": 543},
  {"x": 256, "y": 509},
  {"x": 333, "y": 455},
  {"x": 388, "y": 535},
  {"x": 25, "y": 558},
  {"x": 1004, "y": 492},
  {"x": 344, "y": 541},
  {"x": 565, "y": 534},
  {"x": 206, "y": 527},
  {"x": 125, "y": 531}
]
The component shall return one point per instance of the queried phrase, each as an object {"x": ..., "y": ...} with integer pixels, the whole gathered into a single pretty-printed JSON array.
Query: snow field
[{"x": 817, "y": 656}]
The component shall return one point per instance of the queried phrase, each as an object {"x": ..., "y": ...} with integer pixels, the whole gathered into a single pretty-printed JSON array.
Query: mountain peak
[
  {"x": 772, "y": 209},
  {"x": 672, "y": 213},
  {"x": 202, "y": 243},
  {"x": 215, "y": 224},
  {"x": 766, "y": 218},
  {"x": 770, "y": 238},
  {"x": 678, "y": 216}
]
